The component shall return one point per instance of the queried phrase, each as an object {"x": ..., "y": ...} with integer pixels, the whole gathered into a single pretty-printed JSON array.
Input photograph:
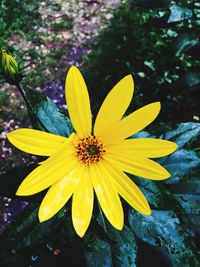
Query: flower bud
[{"x": 9, "y": 67}]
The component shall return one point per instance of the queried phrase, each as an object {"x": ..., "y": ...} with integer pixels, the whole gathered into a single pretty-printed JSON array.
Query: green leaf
[
  {"x": 48, "y": 114},
  {"x": 164, "y": 229},
  {"x": 98, "y": 250},
  {"x": 179, "y": 164},
  {"x": 16, "y": 231},
  {"x": 27, "y": 237},
  {"x": 188, "y": 196},
  {"x": 191, "y": 186},
  {"x": 21, "y": 225},
  {"x": 158, "y": 196},
  {"x": 113, "y": 248},
  {"x": 54, "y": 121},
  {"x": 98, "y": 253},
  {"x": 123, "y": 246},
  {"x": 190, "y": 203},
  {"x": 185, "y": 133}
]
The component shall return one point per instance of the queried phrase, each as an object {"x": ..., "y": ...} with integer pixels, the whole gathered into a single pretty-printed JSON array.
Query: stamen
[{"x": 89, "y": 149}]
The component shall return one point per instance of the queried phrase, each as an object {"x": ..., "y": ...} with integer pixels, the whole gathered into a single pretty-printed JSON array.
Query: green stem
[
  {"x": 29, "y": 106},
  {"x": 22, "y": 92}
]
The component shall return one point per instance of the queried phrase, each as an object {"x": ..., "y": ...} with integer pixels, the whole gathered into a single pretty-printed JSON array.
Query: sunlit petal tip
[
  {"x": 130, "y": 77},
  {"x": 73, "y": 69},
  {"x": 165, "y": 175},
  {"x": 21, "y": 192},
  {"x": 80, "y": 232},
  {"x": 147, "y": 211},
  {"x": 157, "y": 105},
  {"x": 119, "y": 226},
  {"x": 42, "y": 218},
  {"x": 171, "y": 146},
  {"x": 82, "y": 227},
  {"x": 130, "y": 81},
  {"x": 155, "y": 108},
  {"x": 10, "y": 135},
  {"x": 25, "y": 189}
]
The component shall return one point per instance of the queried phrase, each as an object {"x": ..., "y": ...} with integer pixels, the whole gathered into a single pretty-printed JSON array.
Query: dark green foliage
[
  {"x": 119, "y": 250},
  {"x": 3, "y": 98},
  {"x": 165, "y": 229},
  {"x": 159, "y": 45},
  {"x": 98, "y": 253},
  {"x": 27, "y": 239},
  {"x": 15, "y": 16},
  {"x": 181, "y": 163},
  {"x": 184, "y": 134},
  {"x": 123, "y": 246},
  {"x": 188, "y": 195}
]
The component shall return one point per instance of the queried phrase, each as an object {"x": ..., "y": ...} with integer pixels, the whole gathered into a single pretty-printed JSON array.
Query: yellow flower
[{"x": 94, "y": 159}]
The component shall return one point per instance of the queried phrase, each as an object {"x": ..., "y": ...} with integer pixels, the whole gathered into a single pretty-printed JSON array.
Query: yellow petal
[
  {"x": 78, "y": 102},
  {"x": 107, "y": 196},
  {"x": 114, "y": 105},
  {"x": 36, "y": 142},
  {"x": 49, "y": 172},
  {"x": 129, "y": 190},
  {"x": 145, "y": 147},
  {"x": 139, "y": 166},
  {"x": 82, "y": 204},
  {"x": 58, "y": 195},
  {"x": 133, "y": 123}
]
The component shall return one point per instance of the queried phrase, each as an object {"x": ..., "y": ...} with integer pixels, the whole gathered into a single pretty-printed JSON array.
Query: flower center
[{"x": 89, "y": 149}]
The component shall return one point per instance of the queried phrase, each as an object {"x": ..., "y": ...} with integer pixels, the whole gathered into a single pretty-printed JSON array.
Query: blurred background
[{"x": 155, "y": 40}]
